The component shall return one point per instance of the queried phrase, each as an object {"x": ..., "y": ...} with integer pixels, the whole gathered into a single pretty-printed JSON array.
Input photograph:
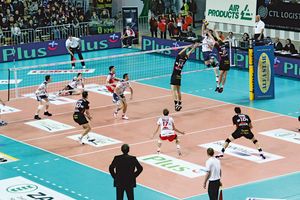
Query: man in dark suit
[{"x": 122, "y": 169}]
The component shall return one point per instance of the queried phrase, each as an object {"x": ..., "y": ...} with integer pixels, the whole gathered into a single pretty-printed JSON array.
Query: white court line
[
  {"x": 127, "y": 122},
  {"x": 84, "y": 164},
  {"x": 152, "y": 140},
  {"x": 234, "y": 104},
  {"x": 251, "y": 182},
  {"x": 97, "y": 107}
]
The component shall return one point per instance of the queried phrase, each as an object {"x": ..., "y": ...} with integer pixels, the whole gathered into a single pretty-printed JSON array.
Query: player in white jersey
[
  {"x": 167, "y": 131},
  {"x": 119, "y": 97},
  {"x": 42, "y": 95},
  {"x": 208, "y": 44},
  {"x": 72, "y": 87}
]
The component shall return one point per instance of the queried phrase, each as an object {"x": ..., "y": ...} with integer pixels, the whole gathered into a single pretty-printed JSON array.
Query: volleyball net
[{"x": 140, "y": 65}]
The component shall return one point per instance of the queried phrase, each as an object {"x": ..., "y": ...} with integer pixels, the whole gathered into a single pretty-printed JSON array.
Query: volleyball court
[{"x": 207, "y": 123}]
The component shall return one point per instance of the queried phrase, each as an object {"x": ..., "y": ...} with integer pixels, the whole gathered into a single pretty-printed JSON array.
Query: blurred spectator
[
  {"x": 16, "y": 33},
  {"x": 127, "y": 37},
  {"x": 179, "y": 23},
  {"x": 5, "y": 24},
  {"x": 168, "y": 6},
  {"x": 190, "y": 32},
  {"x": 95, "y": 18},
  {"x": 162, "y": 25},
  {"x": 104, "y": 14},
  {"x": 277, "y": 44},
  {"x": 171, "y": 25},
  {"x": 154, "y": 7},
  {"x": 290, "y": 47},
  {"x": 153, "y": 26},
  {"x": 2, "y": 37},
  {"x": 259, "y": 29},
  {"x": 193, "y": 10},
  {"x": 160, "y": 7},
  {"x": 185, "y": 8},
  {"x": 245, "y": 37},
  {"x": 232, "y": 40}
]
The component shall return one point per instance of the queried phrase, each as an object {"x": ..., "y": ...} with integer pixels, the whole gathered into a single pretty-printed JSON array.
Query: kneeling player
[
  {"x": 72, "y": 87},
  {"x": 167, "y": 127},
  {"x": 243, "y": 129},
  {"x": 119, "y": 97},
  {"x": 80, "y": 113}
]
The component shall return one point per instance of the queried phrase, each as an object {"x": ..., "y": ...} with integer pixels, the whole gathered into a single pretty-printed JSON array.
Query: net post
[
  {"x": 8, "y": 85},
  {"x": 251, "y": 70}
]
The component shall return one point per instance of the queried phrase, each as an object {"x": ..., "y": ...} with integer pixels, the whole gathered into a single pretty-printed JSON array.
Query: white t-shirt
[
  {"x": 166, "y": 126},
  {"x": 42, "y": 89},
  {"x": 121, "y": 87},
  {"x": 213, "y": 166},
  {"x": 258, "y": 27},
  {"x": 74, "y": 43},
  {"x": 75, "y": 82},
  {"x": 207, "y": 44}
]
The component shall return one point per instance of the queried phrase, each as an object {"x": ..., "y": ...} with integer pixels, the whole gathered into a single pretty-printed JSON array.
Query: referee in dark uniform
[
  {"x": 80, "y": 113},
  {"x": 73, "y": 45},
  {"x": 213, "y": 175},
  {"x": 175, "y": 82},
  {"x": 243, "y": 129}
]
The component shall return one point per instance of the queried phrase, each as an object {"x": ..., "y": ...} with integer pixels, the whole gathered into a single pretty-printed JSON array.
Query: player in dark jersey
[
  {"x": 181, "y": 59},
  {"x": 80, "y": 113},
  {"x": 243, "y": 129}
]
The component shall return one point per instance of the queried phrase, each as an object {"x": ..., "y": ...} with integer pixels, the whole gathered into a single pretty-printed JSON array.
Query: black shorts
[
  {"x": 176, "y": 80},
  {"x": 41, "y": 97},
  {"x": 242, "y": 133},
  {"x": 80, "y": 118},
  {"x": 70, "y": 89},
  {"x": 224, "y": 67}
]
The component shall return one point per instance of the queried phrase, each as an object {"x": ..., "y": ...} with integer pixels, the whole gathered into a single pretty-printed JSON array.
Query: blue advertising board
[
  {"x": 57, "y": 47},
  {"x": 264, "y": 72}
]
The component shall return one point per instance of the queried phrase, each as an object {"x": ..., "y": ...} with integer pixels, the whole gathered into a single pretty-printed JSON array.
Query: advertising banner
[
  {"x": 130, "y": 18},
  {"x": 284, "y": 15},
  {"x": 240, "y": 12},
  {"x": 58, "y": 47},
  {"x": 264, "y": 72}
]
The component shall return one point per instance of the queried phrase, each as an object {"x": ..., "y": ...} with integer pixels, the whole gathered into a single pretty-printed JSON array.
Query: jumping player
[
  {"x": 111, "y": 79},
  {"x": 72, "y": 87},
  {"x": 80, "y": 113},
  {"x": 181, "y": 58},
  {"x": 208, "y": 44},
  {"x": 119, "y": 97},
  {"x": 243, "y": 129},
  {"x": 42, "y": 95},
  {"x": 167, "y": 127}
]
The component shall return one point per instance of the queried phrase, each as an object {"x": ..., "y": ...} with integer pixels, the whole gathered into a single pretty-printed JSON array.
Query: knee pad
[
  {"x": 255, "y": 141},
  {"x": 40, "y": 107},
  {"x": 227, "y": 140}
]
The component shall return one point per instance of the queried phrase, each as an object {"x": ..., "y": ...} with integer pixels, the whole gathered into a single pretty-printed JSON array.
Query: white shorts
[{"x": 166, "y": 133}]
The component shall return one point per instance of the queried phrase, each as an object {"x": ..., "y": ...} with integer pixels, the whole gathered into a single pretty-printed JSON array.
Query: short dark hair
[
  {"x": 85, "y": 94},
  {"x": 237, "y": 110},
  {"x": 210, "y": 152},
  {"x": 166, "y": 112},
  {"x": 79, "y": 74},
  {"x": 47, "y": 77},
  {"x": 124, "y": 75},
  {"x": 125, "y": 148},
  {"x": 110, "y": 67}
]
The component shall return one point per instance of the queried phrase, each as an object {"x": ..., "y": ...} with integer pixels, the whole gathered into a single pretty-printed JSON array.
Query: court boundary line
[
  {"x": 152, "y": 140},
  {"x": 248, "y": 183},
  {"x": 127, "y": 122},
  {"x": 229, "y": 103},
  {"x": 85, "y": 165}
]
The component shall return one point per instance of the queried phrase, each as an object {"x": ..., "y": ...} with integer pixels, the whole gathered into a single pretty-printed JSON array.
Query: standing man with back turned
[
  {"x": 73, "y": 45},
  {"x": 122, "y": 169}
]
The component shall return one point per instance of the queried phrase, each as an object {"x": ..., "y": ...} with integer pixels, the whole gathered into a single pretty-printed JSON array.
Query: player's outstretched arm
[
  {"x": 131, "y": 93},
  {"x": 155, "y": 132},
  {"x": 175, "y": 129}
]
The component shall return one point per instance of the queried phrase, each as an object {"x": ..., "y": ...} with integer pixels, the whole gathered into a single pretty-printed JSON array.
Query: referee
[
  {"x": 213, "y": 167},
  {"x": 73, "y": 45}
]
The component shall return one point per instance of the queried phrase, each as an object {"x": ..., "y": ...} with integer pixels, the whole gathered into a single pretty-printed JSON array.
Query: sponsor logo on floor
[
  {"x": 21, "y": 188},
  {"x": 13, "y": 81},
  {"x": 63, "y": 71},
  {"x": 242, "y": 152},
  {"x": 96, "y": 140},
  {"x": 283, "y": 134},
  {"x": 100, "y": 89},
  {"x": 7, "y": 110},
  {"x": 4, "y": 158},
  {"x": 174, "y": 165},
  {"x": 49, "y": 125},
  {"x": 54, "y": 99}
]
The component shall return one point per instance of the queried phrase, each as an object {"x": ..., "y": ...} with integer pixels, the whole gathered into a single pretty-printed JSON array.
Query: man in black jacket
[{"x": 122, "y": 169}]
